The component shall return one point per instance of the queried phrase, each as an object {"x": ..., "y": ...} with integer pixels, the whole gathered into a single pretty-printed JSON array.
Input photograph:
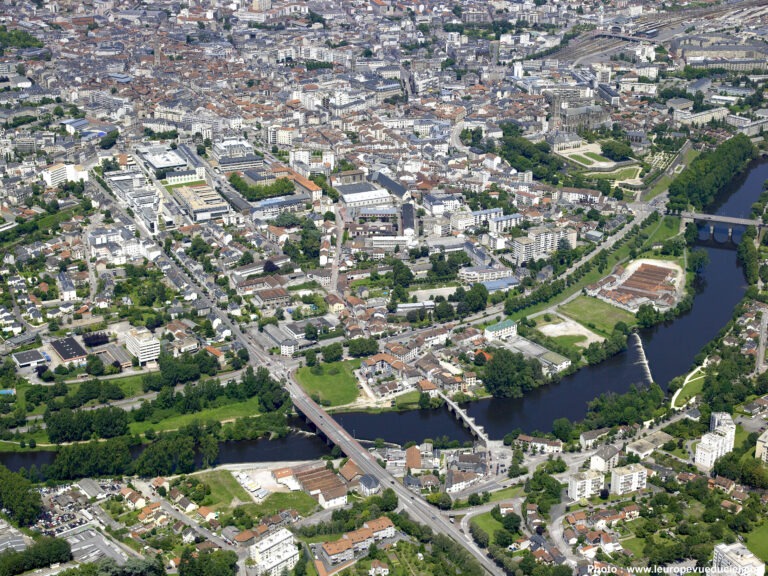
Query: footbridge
[{"x": 468, "y": 422}]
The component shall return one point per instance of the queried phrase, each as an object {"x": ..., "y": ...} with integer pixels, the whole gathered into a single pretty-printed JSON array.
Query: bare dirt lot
[{"x": 567, "y": 327}]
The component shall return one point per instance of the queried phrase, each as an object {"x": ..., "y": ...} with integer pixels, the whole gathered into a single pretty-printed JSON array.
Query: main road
[{"x": 417, "y": 508}]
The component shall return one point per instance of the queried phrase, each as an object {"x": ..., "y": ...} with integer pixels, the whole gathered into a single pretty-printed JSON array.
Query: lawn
[
  {"x": 594, "y": 313},
  {"x": 407, "y": 400},
  {"x": 581, "y": 159},
  {"x": 668, "y": 227},
  {"x": 740, "y": 437},
  {"x": 224, "y": 489},
  {"x": 487, "y": 523},
  {"x": 249, "y": 407},
  {"x": 694, "y": 387},
  {"x": 170, "y": 187},
  {"x": 302, "y": 502},
  {"x": 617, "y": 175},
  {"x": 634, "y": 545},
  {"x": 572, "y": 341},
  {"x": 596, "y": 156},
  {"x": 757, "y": 542},
  {"x": 337, "y": 384},
  {"x": 506, "y": 493}
]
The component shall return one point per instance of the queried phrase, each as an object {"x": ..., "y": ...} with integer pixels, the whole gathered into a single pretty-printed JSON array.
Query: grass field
[
  {"x": 170, "y": 187},
  {"x": 581, "y": 159},
  {"x": 594, "y": 313},
  {"x": 595, "y": 156},
  {"x": 694, "y": 386},
  {"x": 249, "y": 407},
  {"x": 634, "y": 545},
  {"x": 407, "y": 400},
  {"x": 668, "y": 227},
  {"x": 487, "y": 523},
  {"x": 224, "y": 489},
  {"x": 506, "y": 493},
  {"x": 740, "y": 436},
  {"x": 570, "y": 340},
  {"x": 302, "y": 502},
  {"x": 757, "y": 542},
  {"x": 617, "y": 175},
  {"x": 338, "y": 389}
]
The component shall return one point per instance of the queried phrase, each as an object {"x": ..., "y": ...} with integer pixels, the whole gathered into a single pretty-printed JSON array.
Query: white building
[
  {"x": 736, "y": 559},
  {"x": 501, "y": 330},
  {"x": 717, "y": 442},
  {"x": 628, "y": 479},
  {"x": 605, "y": 459},
  {"x": 57, "y": 174},
  {"x": 585, "y": 484},
  {"x": 761, "y": 451},
  {"x": 143, "y": 344},
  {"x": 275, "y": 553}
]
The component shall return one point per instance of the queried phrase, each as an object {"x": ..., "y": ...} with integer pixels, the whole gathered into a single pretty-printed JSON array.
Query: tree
[
  {"x": 562, "y": 429},
  {"x": 510, "y": 375},
  {"x": 698, "y": 260},
  {"x": 310, "y": 331},
  {"x": 333, "y": 352},
  {"x": 109, "y": 140},
  {"x": 616, "y": 150},
  {"x": 94, "y": 365}
]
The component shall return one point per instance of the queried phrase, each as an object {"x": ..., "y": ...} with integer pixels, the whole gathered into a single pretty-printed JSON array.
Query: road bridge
[
  {"x": 713, "y": 219},
  {"x": 418, "y": 509}
]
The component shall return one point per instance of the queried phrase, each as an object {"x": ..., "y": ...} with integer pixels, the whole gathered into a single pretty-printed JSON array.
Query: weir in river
[{"x": 642, "y": 359}]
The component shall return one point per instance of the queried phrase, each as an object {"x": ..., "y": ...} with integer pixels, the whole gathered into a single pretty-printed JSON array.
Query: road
[{"x": 417, "y": 508}]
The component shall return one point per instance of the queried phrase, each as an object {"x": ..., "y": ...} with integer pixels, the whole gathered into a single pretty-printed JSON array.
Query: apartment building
[
  {"x": 717, "y": 442},
  {"x": 626, "y": 479},
  {"x": 585, "y": 484},
  {"x": 275, "y": 554},
  {"x": 761, "y": 451},
  {"x": 736, "y": 559}
]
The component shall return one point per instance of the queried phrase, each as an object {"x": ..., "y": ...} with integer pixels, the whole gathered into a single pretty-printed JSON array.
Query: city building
[
  {"x": 605, "y": 459},
  {"x": 201, "y": 203},
  {"x": 143, "y": 345},
  {"x": 717, "y": 442},
  {"x": 626, "y": 479},
  {"x": 501, "y": 330},
  {"x": 761, "y": 451},
  {"x": 56, "y": 174},
  {"x": 585, "y": 484},
  {"x": 736, "y": 559},
  {"x": 275, "y": 554}
]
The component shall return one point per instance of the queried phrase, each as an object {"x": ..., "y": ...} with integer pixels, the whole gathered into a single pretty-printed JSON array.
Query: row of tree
[
  {"x": 41, "y": 554},
  {"x": 73, "y": 426},
  {"x": 707, "y": 175}
]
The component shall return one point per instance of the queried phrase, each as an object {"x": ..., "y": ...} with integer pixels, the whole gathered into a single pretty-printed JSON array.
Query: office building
[
  {"x": 143, "y": 344},
  {"x": 201, "y": 203}
]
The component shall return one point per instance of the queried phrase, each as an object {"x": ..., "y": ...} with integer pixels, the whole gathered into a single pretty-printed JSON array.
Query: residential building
[
  {"x": 605, "y": 459},
  {"x": 626, "y": 479},
  {"x": 142, "y": 344},
  {"x": 736, "y": 559},
  {"x": 585, "y": 484},
  {"x": 761, "y": 451},
  {"x": 275, "y": 553},
  {"x": 717, "y": 442}
]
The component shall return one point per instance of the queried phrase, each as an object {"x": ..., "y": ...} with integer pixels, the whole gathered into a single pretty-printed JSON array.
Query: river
[{"x": 669, "y": 348}]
